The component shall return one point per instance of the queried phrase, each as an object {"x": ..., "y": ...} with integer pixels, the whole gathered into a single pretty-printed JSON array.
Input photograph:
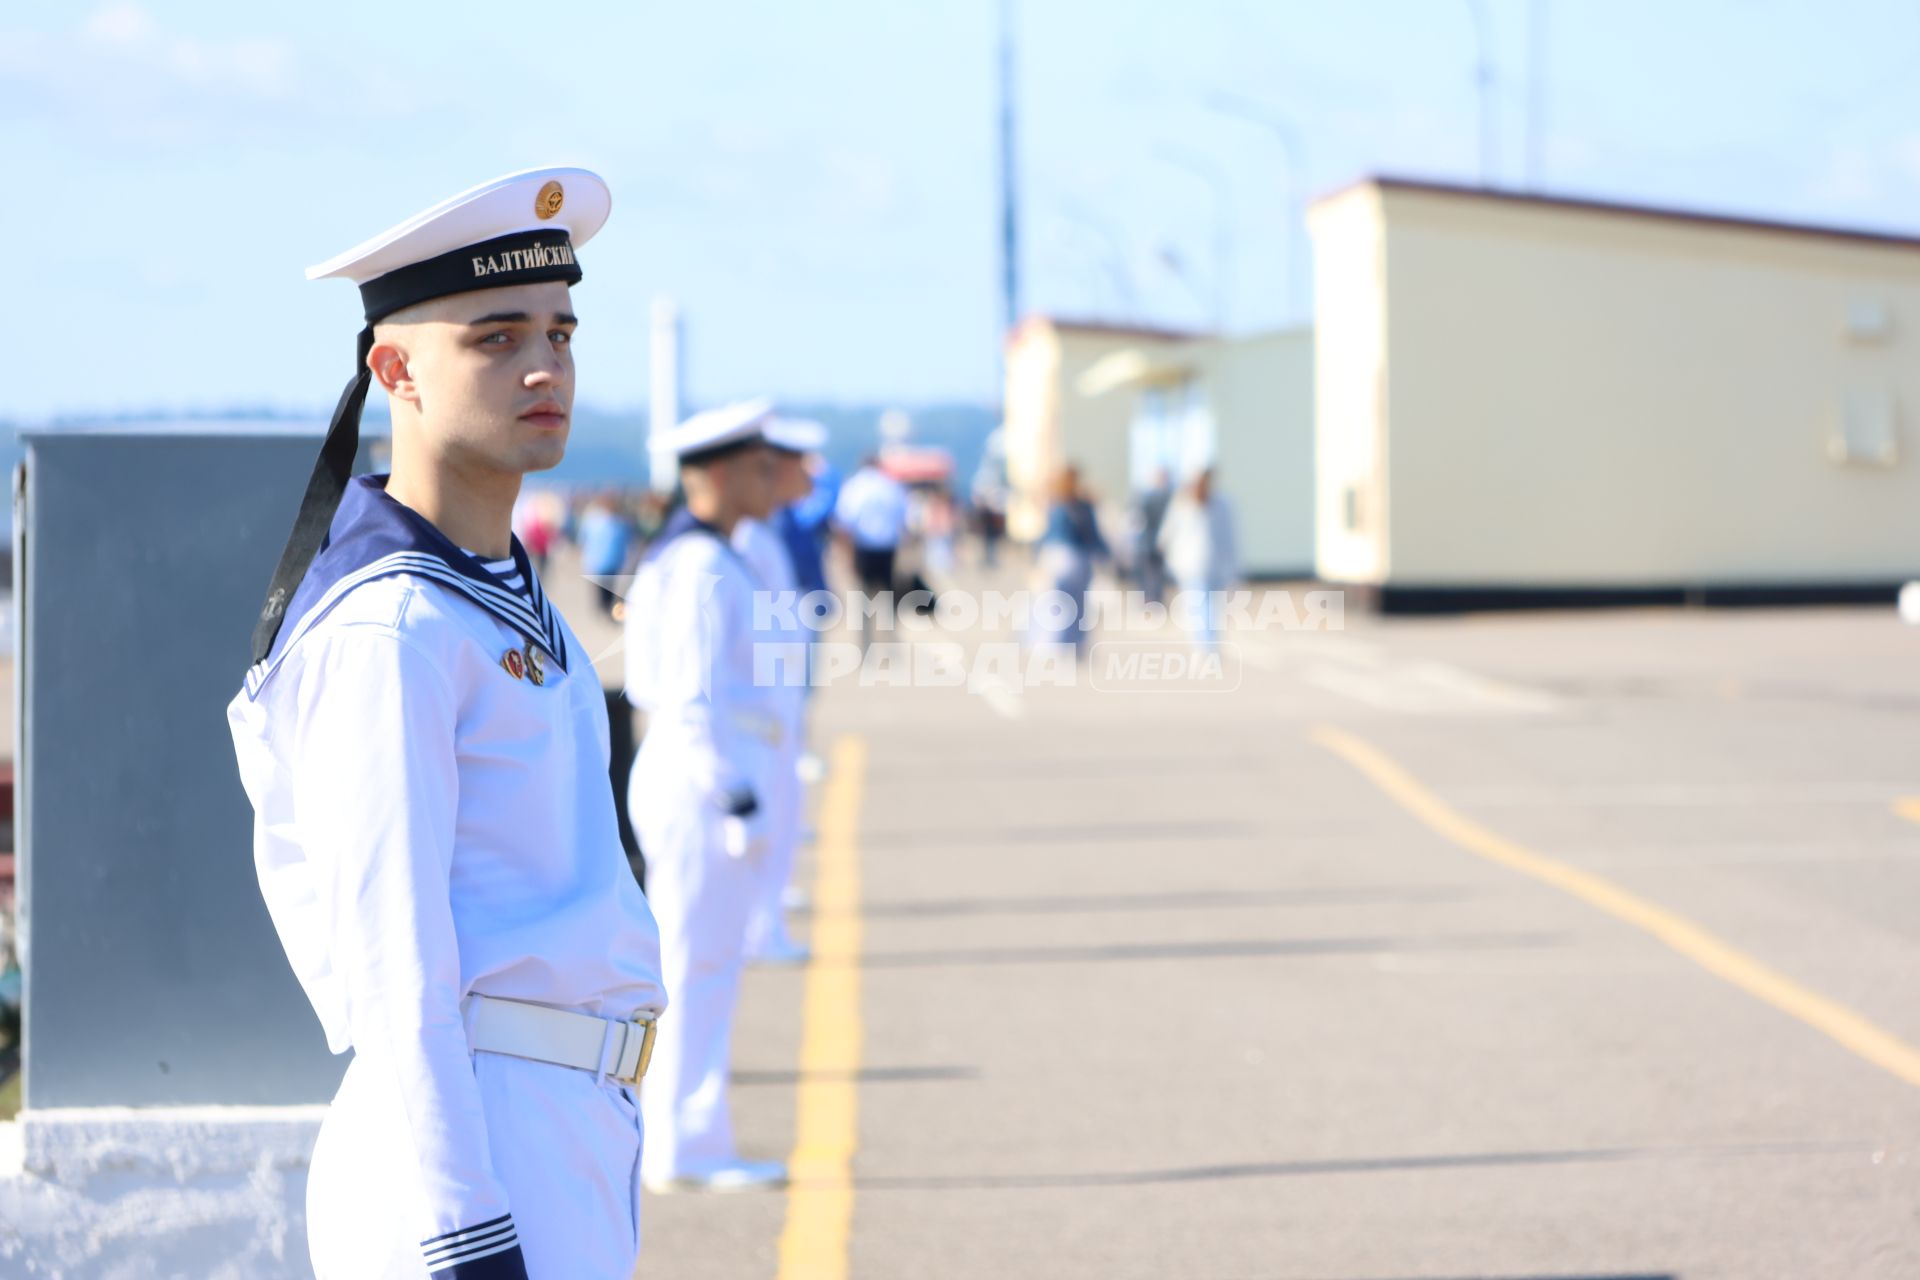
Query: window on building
[{"x": 1865, "y": 434}]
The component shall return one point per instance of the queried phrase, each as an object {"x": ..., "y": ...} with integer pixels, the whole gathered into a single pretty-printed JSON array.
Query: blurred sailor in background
[
  {"x": 783, "y": 660},
  {"x": 804, "y": 525},
  {"x": 425, "y": 745},
  {"x": 698, "y": 793}
]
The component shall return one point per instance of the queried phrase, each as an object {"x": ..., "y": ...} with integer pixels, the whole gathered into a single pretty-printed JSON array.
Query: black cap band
[
  {"x": 525, "y": 257},
  {"x": 714, "y": 453}
]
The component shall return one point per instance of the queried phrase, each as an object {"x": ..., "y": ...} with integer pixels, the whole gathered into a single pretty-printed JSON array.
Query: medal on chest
[{"x": 525, "y": 664}]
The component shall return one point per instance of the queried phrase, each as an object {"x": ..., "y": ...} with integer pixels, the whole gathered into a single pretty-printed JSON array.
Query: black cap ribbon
[{"x": 331, "y": 471}]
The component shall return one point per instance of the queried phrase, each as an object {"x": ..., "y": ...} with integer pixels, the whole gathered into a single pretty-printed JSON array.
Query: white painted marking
[
  {"x": 1005, "y": 702},
  {"x": 1426, "y": 688}
]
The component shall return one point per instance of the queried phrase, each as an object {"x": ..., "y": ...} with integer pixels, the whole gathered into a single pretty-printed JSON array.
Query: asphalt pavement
[{"x": 1527, "y": 946}]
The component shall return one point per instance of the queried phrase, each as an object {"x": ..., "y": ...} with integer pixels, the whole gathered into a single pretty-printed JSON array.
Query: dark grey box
[{"x": 153, "y": 976}]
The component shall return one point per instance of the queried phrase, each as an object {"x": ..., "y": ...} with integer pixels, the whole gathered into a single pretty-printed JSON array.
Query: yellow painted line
[
  {"x": 813, "y": 1244},
  {"x": 1908, "y": 807},
  {"x": 1836, "y": 1021}
]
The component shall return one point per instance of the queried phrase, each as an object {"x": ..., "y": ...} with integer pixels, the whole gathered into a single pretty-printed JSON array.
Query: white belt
[{"x": 542, "y": 1033}]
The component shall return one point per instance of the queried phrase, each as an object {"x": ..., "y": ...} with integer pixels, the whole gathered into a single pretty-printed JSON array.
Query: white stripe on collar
[{"x": 542, "y": 626}]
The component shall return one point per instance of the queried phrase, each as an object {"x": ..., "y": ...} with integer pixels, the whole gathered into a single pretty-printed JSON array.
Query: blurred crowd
[{"x": 904, "y": 526}]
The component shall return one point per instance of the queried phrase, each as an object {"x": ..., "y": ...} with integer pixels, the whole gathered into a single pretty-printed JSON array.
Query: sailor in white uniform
[
  {"x": 697, "y": 794},
  {"x": 783, "y": 647},
  {"x": 425, "y": 745}
]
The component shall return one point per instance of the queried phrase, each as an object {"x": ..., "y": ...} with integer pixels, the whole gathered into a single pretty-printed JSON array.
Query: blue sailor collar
[
  {"x": 682, "y": 523},
  {"x": 373, "y": 536},
  {"x": 678, "y": 525}
]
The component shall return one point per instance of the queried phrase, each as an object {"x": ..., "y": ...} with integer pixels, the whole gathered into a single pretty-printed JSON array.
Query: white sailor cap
[
  {"x": 795, "y": 435},
  {"x": 520, "y": 229},
  {"x": 716, "y": 432}
]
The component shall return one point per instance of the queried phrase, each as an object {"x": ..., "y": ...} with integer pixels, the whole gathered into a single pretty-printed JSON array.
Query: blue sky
[{"x": 816, "y": 182}]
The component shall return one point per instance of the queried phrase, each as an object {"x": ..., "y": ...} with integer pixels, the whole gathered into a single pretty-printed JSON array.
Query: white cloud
[
  {"x": 858, "y": 186},
  {"x": 1905, "y": 153},
  {"x": 122, "y": 24},
  {"x": 250, "y": 64},
  {"x": 120, "y": 77},
  {"x": 732, "y": 174},
  {"x": 1851, "y": 176}
]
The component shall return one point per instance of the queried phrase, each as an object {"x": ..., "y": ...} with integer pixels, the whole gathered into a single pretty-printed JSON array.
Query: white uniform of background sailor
[
  {"x": 782, "y": 648},
  {"x": 698, "y": 787},
  {"x": 425, "y": 744}
]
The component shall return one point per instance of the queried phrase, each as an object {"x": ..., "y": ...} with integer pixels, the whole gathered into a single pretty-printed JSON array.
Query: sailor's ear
[{"x": 388, "y": 361}]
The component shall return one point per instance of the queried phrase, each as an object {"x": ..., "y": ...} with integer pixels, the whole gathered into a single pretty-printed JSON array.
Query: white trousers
[
  {"x": 767, "y": 919},
  {"x": 701, "y": 897},
  {"x": 566, "y": 1148}
]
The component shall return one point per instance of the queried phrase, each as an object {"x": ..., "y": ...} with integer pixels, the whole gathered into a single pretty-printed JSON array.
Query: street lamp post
[
  {"x": 1536, "y": 94},
  {"x": 1113, "y": 257},
  {"x": 1205, "y": 170},
  {"x": 1483, "y": 76},
  {"x": 1295, "y": 147},
  {"x": 1009, "y": 179}
]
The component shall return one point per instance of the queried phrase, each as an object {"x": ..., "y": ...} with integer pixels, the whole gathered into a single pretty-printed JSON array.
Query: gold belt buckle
[{"x": 651, "y": 1023}]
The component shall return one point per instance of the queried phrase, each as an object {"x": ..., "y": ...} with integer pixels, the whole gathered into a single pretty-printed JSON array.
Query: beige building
[
  {"x": 1119, "y": 402},
  {"x": 1520, "y": 395}
]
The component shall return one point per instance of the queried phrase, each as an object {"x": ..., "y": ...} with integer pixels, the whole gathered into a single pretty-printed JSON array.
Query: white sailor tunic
[
  {"x": 426, "y": 752},
  {"x": 711, "y": 732},
  {"x": 712, "y": 705},
  {"x": 781, "y": 636}
]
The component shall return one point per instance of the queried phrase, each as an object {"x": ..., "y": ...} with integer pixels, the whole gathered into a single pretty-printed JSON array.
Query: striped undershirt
[{"x": 507, "y": 571}]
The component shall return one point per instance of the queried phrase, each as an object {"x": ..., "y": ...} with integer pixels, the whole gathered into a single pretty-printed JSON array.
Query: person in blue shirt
[
  {"x": 1069, "y": 549},
  {"x": 813, "y": 512},
  {"x": 606, "y": 539}
]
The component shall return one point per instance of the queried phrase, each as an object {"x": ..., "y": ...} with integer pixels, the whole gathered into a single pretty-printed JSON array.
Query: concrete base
[{"x": 161, "y": 1193}]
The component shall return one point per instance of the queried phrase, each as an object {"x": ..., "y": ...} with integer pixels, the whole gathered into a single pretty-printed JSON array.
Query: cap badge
[
  {"x": 536, "y": 665},
  {"x": 548, "y": 202},
  {"x": 515, "y": 664}
]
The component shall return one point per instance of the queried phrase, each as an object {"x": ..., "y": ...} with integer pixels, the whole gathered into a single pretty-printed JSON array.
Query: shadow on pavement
[
  {"x": 1091, "y": 768},
  {"x": 948, "y": 836},
  {"x": 1224, "y": 950},
  {"x": 867, "y": 1075},
  {"x": 1161, "y": 902},
  {"x": 1324, "y": 1168}
]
